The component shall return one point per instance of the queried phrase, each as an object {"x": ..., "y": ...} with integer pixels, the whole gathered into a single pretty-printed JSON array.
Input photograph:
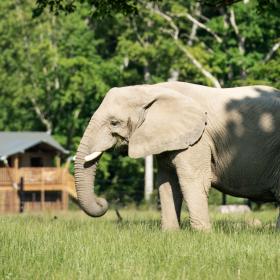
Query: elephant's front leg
[
  {"x": 195, "y": 195},
  {"x": 193, "y": 170},
  {"x": 170, "y": 197}
]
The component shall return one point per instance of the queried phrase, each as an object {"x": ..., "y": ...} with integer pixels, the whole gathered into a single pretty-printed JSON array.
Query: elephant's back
[
  {"x": 221, "y": 96},
  {"x": 239, "y": 93}
]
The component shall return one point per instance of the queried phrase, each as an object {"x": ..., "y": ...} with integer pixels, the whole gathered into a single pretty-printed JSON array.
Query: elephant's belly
[
  {"x": 250, "y": 192},
  {"x": 247, "y": 183},
  {"x": 248, "y": 171}
]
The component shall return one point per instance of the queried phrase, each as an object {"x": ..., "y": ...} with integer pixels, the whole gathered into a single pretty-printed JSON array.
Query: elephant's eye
[{"x": 114, "y": 123}]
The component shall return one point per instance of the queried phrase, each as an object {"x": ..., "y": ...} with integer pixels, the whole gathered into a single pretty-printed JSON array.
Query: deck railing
[
  {"x": 7, "y": 175},
  {"x": 33, "y": 175}
]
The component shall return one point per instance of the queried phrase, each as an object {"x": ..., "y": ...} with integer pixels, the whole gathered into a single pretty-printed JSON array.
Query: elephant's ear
[{"x": 169, "y": 121}]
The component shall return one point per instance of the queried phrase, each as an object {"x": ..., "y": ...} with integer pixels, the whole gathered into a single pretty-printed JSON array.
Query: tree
[
  {"x": 264, "y": 6},
  {"x": 54, "y": 71},
  {"x": 101, "y": 8}
]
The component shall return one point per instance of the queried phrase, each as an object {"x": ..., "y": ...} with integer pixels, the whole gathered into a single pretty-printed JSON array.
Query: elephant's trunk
[{"x": 84, "y": 178}]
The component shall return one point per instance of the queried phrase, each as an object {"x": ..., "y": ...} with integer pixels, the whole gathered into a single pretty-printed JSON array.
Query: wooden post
[
  {"x": 42, "y": 191},
  {"x": 16, "y": 166},
  {"x": 42, "y": 199},
  {"x": 57, "y": 161},
  {"x": 149, "y": 178},
  {"x": 21, "y": 195},
  {"x": 64, "y": 198}
]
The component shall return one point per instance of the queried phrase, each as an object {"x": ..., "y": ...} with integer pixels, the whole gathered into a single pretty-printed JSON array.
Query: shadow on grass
[
  {"x": 227, "y": 226},
  {"x": 230, "y": 226},
  {"x": 224, "y": 226},
  {"x": 151, "y": 224}
]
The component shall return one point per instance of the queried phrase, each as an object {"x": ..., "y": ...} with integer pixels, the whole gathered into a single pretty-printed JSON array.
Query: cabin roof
[{"x": 17, "y": 142}]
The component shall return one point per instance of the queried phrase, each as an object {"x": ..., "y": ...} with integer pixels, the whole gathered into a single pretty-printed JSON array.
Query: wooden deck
[
  {"x": 40, "y": 180},
  {"x": 37, "y": 178}
]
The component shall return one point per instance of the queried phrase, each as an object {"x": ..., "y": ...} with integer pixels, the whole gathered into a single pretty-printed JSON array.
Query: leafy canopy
[
  {"x": 55, "y": 70},
  {"x": 101, "y": 8}
]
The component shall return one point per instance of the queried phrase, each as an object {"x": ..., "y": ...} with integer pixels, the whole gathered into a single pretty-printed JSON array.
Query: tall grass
[{"x": 74, "y": 246}]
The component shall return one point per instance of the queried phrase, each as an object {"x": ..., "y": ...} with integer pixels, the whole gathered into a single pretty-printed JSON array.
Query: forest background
[{"x": 55, "y": 70}]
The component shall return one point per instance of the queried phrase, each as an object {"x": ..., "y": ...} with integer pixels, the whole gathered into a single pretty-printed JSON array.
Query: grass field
[{"x": 74, "y": 246}]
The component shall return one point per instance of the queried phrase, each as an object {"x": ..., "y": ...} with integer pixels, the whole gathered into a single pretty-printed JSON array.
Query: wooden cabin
[{"x": 33, "y": 158}]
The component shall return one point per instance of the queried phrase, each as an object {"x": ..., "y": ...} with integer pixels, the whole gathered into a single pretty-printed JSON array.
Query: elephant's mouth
[
  {"x": 121, "y": 141},
  {"x": 121, "y": 145}
]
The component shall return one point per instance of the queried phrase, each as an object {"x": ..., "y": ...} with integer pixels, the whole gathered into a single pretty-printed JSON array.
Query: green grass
[{"x": 74, "y": 246}]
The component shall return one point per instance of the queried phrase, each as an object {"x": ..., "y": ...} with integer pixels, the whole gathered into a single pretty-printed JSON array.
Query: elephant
[{"x": 201, "y": 137}]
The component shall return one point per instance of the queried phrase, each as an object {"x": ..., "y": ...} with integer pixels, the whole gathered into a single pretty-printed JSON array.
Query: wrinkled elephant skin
[{"x": 202, "y": 137}]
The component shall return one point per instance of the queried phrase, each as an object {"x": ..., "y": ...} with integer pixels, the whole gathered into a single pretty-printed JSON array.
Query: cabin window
[
  {"x": 32, "y": 196},
  {"x": 53, "y": 196},
  {"x": 36, "y": 162}
]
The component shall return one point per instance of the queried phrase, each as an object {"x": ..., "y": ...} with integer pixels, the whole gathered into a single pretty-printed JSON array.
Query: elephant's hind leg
[
  {"x": 170, "y": 197},
  {"x": 278, "y": 220}
]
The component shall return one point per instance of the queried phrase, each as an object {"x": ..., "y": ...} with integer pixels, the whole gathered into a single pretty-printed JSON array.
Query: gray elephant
[{"x": 200, "y": 136}]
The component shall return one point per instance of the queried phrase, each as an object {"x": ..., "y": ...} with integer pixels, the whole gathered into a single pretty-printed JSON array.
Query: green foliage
[
  {"x": 264, "y": 6},
  {"x": 55, "y": 7},
  {"x": 121, "y": 180},
  {"x": 54, "y": 71},
  {"x": 269, "y": 6},
  {"x": 215, "y": 197},
  {"x": 101, "y": 8},
  {"x": 98, "y": 7}
]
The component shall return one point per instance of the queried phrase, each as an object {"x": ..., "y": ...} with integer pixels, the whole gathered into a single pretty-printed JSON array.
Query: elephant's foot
[
  {"x": 200, "y": 226},
  {"x": 170, "y": 225}
]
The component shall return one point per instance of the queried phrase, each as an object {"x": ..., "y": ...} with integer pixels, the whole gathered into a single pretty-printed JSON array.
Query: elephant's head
[{"x": 149, "y": 119}]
